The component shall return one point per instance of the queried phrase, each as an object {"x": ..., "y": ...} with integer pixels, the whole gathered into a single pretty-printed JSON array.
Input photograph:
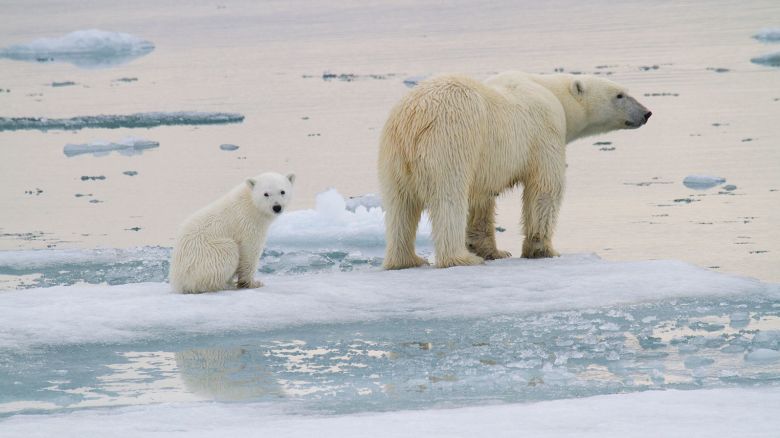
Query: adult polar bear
[{"x": 453, "y": 144}]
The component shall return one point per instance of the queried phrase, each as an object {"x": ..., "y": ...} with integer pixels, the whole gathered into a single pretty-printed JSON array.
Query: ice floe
[
  {"x": 125, "y": 146},
  {"x": 768, "y": 35},
  {"x": 78, "y": 314},
  {"x": 137, "y": 120},
  {"x": 770, "y": 59},
  {"x": 671, "y": 414},
  {"x": 702, "y": 182},
  {"x": 84, "y": 48}
]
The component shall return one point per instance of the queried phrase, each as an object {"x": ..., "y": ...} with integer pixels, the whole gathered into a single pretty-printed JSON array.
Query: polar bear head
[
  {"x": 271, "y": 192},
  {"x": 607, "y": 106}
]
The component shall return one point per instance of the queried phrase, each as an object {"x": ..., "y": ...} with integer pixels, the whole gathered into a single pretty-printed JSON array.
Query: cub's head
[
  {"x": 271, "y": 192},
  {"x": 607, "y": 105}
]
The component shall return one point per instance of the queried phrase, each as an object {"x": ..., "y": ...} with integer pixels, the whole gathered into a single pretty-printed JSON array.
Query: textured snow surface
[{"x": 740, "y": 413}]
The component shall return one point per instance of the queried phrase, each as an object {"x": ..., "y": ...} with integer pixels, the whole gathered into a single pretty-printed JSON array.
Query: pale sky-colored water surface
[{"x": 266, "y": 61}]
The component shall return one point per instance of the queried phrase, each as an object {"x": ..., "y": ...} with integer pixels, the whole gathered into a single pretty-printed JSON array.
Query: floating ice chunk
[
  {"x": 84, "y": 48},
  {"x": 412, "y": 81},
  {"x": 137, "y": 120},
  {"x": 729, "y": 187},
  {"x": 763, "y": 355},
  {"x": 770, "y": 59},
  {"x": 698, "y": 362},
  {"x": 125, "y": 146},
  {"x": 333, "y": 224},
  {"x": 702, "y": 182},
  {"x": 228, "y": 147},
  {"x": 768, "y": 35},
  {"x": 367, "y": 201}
]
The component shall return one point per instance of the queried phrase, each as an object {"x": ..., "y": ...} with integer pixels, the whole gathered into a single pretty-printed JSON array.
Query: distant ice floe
[
  {"x": 702, "y": 182},
  {"x": 125, "y": 146},
  {"x": 770, "y": 59},
  {"x": 137, "y": 120},
  {"x": 768, "y": 35},
  {"x": 83, "y": 48},
  {"x": 228, "y": 147},
  {"x": 336, "y": 221}
]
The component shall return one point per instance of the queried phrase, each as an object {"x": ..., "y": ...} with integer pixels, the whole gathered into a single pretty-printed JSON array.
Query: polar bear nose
[
  {"x": 647, "y": 115},
  {"x": 277, "y": 208}
]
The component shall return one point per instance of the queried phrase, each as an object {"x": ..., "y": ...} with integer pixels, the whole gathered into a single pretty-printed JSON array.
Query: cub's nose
[
  {"x": 647, "y": 115},
  {"x": 277, "y": 208}
]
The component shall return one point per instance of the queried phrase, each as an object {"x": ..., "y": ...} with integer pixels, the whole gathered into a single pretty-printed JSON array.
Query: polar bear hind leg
[{"x": 216, "y": 272}]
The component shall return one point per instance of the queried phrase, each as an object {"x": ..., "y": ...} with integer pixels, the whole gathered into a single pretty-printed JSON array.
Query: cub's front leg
[{"x": 248, "y": 259}]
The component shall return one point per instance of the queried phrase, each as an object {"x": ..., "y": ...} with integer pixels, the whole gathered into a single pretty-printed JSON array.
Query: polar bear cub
[{"x": 224, "y": 240}]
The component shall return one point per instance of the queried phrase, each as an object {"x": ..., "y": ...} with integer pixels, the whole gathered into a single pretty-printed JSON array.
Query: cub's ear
[
  {"x": 577, "y": 89},
  {"x": 291, "y": 178},
  {"x": 251, "y": 183}
]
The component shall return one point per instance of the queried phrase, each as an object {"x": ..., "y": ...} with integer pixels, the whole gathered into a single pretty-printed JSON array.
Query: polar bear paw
[
  {"x": 463, "y": 259},
  {"x": 250, "y": 284},
  {"x": 538, "y": 250}
]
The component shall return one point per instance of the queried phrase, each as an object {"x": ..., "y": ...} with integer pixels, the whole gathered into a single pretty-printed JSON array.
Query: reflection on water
[{"x": 416, "y": 364}]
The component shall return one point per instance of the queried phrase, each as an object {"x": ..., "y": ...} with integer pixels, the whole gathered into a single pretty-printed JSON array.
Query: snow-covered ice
[
  {"x": 125, "y": 146},
  {"x": 768, "y": 35},
  {"x": 746, "y": 413},
  {"x": 137, "y": 120},
  {"x": 702, "y": 182},
  {"x": 84, "y": 48},
  {"x": 99, "y": 313}
]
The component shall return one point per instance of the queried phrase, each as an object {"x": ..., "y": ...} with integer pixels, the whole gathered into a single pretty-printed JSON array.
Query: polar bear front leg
[
  {"x": 542, "y": 196},
  {"x": 481, "y": 230},
  {"x": 249, "y": 258}
]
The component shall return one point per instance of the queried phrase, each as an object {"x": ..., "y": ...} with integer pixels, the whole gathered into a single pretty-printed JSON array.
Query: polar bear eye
[
  {"x": 620, "y": 96},
  {"x": 282, "y": 192},
  {"x": 265, "y": 194}
]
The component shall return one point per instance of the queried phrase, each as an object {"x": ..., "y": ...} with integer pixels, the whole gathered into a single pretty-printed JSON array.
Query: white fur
[
  {"x": 225, "y": 239},
  {"x": 453, "y": 144}
]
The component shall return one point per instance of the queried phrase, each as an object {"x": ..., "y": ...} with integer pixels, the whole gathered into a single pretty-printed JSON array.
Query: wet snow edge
[{"x": 718, "y": 412}]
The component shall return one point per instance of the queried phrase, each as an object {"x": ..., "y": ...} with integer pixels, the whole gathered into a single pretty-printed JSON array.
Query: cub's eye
[
  {"x": 265, "y": 194},
  {"x": 282, "y": 192},
  {"x": 620, "y": 96}
]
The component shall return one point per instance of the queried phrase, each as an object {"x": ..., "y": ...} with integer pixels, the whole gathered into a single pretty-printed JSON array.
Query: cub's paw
[{"x": 253, "y": 284}]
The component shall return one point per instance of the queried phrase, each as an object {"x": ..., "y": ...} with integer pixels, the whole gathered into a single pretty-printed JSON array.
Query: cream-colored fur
[
  {"x": 224, "y": 240},
  {"x": 453, "y": 144}
]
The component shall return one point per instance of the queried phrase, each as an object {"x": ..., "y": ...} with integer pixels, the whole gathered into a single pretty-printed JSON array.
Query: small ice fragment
[
  {"x": 768, "y": 35},
  {"x": 770, "y": 59},
  {"x": 228, "y": 147},
  {"x": 62, "y": 84},
  {"x": 125, "y": 146},
  {"x": 610, "y": 327},
  {"x": 731, "y": 349},
  {"x": 763, "y": 355},
  {"x": 613, "y": 355},
  {"x": 729, "y": 187},
  {"x": 130, "y": 172},
  {"x": 412, "y": 81},
  {"x": 698, "y": 362},
  {"x": 702, "y": 182}
]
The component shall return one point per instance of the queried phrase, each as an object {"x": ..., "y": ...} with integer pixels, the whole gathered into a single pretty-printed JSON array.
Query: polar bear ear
[
  {"x": 291, "y": 178},
  {"x": 577, "y": 89},
  {"x": 251, "y": 183}
]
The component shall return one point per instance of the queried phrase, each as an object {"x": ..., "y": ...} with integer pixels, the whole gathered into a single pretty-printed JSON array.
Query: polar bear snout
[{"x": 277, "y": 208}]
